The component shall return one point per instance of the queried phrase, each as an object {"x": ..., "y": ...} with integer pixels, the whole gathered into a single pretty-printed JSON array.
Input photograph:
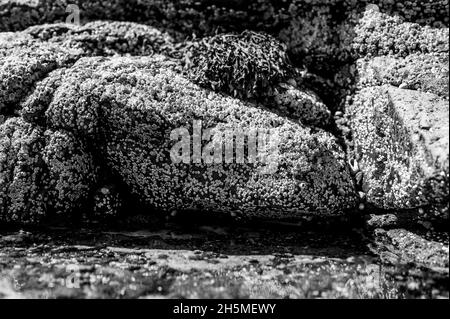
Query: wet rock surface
[{"x": 170, "y": 261}]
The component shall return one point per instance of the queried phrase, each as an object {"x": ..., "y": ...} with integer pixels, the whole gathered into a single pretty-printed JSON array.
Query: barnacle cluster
[
  {"x": 412, "y": 248},
  {"x": 42, "y": 172},
  {"x": 102, "y": 38},
  {"x": 380, "y": 34},
  {"x": 128, "y": 108},
  {"x": 106, "y": 95},
  {"x": 422, "y": 72},
  {"x": 23, "y": 65},
  {"x": 399, "y": 114},
  {"x": 107, "y": 202}
]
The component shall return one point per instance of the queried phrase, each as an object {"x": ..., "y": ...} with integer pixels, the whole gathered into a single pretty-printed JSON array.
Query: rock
[
  {"x": 28, "y": 57},
  {"x": 24, "y": 62},
  {"x": 422, "y": 72},
  {"x": 128, "y": 108},
  {"x": 105, "y": 38},
  {"x": 405, "y": 164},
  {"x": 412, "y": 248},
  {"x": 42, "y": 172},
  {"x": 382, "y": 221},
  {"x": 107, "y": 202},
  {"x": 379, "y": 34}
]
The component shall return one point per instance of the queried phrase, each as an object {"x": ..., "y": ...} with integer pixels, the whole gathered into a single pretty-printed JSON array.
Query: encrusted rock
[
  {"x": 245, "y": 65},
  {"x": 23, "y": 62},
  {"x": 382, "y": 221},
  {"x": 405, "y": 163},
  {"x": 128, "y": 107},
  {"x": 421, "y": 72},
  {"x": 105, "y": 38},
  {"x": 29, "y": 56},
  {"x": 405, "y": 247},
  {"x": 380, "y": 34},
  {"x": 42, "y": 172},
  {"x": 107, "y": 202}
]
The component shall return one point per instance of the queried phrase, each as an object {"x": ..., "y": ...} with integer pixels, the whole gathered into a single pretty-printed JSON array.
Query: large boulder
[
  {"x": 128, "y": 108},
  {"x": 398, "y": 115},
  {"x": 400, "y": 139},
  {"x": 29, "y": 56}
]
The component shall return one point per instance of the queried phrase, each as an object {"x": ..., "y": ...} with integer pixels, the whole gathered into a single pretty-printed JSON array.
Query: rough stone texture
[
  {"x": 128, "y": 106},
  {"x": 401, "y": 143},
  {"x": 382, "y": 221},
  {"x": 105, "y": 38},
  {"x": 27, "y": 57},
  {"x": 380, "y": 34},
  {"x": 245, "y": 65},
  {"x": 408, "y": 247},
  {"x": 398, "y": 115},
  {"x": 44, "y": 88},
  {"x": 42, "y": 172},
  {"x": 77, "y": 132},
  {"x": 421, "y": 72},
  {"x": 24, "y": 63}
]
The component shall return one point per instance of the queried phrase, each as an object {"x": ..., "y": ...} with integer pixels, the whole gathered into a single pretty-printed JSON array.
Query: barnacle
[
  {"x": 128, "y": 107},
  {"x": 398, "y": 114},
  {"x": 62, "y": 93},
  {"x": 42, "y": 172},
  {"x": 102, "y": 38},
  {"x": 422, "y": 72}
]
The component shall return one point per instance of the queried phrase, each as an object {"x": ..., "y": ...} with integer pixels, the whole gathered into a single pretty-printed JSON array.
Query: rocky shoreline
[{"x": 356, "y": 92}]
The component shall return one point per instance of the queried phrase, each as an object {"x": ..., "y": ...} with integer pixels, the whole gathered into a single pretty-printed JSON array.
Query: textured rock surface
[
  {"x": 42, "y": 172},
  {"x": 129, "y": 106},
  {"x": 408, "y": 247},
  {"x": 401, "y": 143},
  {"x": 104, "y": 37},
  {"x": 85, "y": 132},
  {"x": 399, "y": 115},
  {"x": 46, "y": 86},
  {"x": 421, "y": 72}
]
